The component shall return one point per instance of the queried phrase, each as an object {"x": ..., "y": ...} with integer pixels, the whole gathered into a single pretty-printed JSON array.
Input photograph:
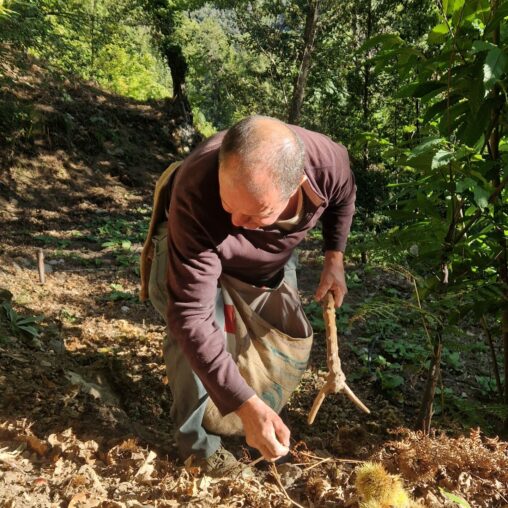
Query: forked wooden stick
[{"x": 336, "y": 380}]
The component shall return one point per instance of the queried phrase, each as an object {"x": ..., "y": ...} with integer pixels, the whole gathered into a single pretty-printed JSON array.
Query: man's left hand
[{"x": 333, "y": 277}]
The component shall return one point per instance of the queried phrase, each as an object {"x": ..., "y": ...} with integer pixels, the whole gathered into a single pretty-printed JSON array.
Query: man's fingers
[
  {"x": 283, "y": 434},
  {"x": 264, "y": 429},
  {"x": 267, "y": 455},
  {"x": 272, "y": 451},
  {"x": 338, "y": 296},
  {"x": 275, "y": 445},
  {"x": 321, "y": 292}
]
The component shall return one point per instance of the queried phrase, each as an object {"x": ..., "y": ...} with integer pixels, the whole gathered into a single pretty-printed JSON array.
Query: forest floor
[{"x": 84, "y": 403}]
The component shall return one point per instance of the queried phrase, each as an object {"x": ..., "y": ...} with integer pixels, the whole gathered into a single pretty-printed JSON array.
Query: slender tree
[{"x": 305, "y": 61}]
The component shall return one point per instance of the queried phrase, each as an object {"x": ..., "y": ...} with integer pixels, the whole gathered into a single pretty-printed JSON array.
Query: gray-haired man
[{"x": 239, "y": 205}]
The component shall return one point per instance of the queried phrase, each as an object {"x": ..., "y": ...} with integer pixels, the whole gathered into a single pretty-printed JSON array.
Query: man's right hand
[{"x": 264, "y": 428}]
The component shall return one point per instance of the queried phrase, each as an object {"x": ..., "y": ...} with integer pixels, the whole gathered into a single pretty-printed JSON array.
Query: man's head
[{"x": 260, "y": 169}]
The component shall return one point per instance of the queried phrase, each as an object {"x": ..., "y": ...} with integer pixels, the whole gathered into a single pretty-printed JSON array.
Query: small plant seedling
[
  {"x": 68, "y": 316},
  {"x": 51, "y": 241},
  {"x": 21, "y": 325},
  {"x": 118, "y": 293}
]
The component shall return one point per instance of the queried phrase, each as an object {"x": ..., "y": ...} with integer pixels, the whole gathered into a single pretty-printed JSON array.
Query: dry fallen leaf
[
  {"x": 35, "y": 444},
  {"x": 147, "y": 468},
  {"x": 82, "y": 500},
  {"x": 9, "y": 457}
]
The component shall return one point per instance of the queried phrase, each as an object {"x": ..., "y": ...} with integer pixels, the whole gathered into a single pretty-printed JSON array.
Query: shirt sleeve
[
  {"x": 192, "y": 280},
  {"x": 338, "y": 215}
]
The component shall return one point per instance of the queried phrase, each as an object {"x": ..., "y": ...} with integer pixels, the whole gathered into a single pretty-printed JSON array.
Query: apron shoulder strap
[{"x": 158, "y": 215}]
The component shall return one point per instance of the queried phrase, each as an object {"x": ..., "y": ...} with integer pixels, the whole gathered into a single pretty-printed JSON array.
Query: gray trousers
[{"x": 189, "y": 395}]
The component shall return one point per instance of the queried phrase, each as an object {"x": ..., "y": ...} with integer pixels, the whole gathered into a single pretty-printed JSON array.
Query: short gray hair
[{"x": 282, "y": 157}]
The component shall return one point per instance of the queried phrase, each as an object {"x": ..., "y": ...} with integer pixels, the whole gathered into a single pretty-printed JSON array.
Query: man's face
[{"x": 246, "y": 210}]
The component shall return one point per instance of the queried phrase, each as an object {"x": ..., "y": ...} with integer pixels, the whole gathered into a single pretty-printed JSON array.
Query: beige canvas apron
[{"x": 271, "y": 344}]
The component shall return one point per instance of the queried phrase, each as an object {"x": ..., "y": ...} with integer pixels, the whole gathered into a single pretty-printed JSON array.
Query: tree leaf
[
  {"x": 420, "y": 89},
  {"x": 481, "y": 196},
  {"x": 499, "y": 16},
  {"x": 427, "y": 146},
  {"x": 441, "y": 158},
  {"x": 467, "y": 183},
  {"x": 479, "y": 46},
  {"x": 387, "y": 41},
  {"x": 495, "y": 66},
  {"x": 476, "y": 124},
  {"x": 438, "y": 34},
  {"x": 439, "y": 106},
  {"x": 451, "y": 6},
  {"x": 454, "y": 117}
]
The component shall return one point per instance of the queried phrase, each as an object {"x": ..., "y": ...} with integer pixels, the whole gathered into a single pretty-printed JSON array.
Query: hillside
[{"x": 84, "y": 407}]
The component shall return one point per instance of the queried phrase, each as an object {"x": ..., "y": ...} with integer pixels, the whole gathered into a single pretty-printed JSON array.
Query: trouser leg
[
  {"x": 189, "y": 398},
  {"x": 189, "y": 395}
]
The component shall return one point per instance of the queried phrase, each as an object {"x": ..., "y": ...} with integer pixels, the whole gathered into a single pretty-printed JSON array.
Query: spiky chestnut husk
[{"x": 378, "y": 489}]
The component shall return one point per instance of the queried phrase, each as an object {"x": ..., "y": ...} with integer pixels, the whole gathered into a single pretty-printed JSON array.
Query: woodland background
[{"x": 97, "y": 97}]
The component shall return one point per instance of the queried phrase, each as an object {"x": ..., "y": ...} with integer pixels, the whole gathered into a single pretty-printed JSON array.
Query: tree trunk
[
  {"x": 178, "y": 68},
  {"x": 493, "y": 358},
  {"x": 417, "y": 123},
  {"x": 305, "y": 62},
  {"x": 424, "y": 418},
  {"x": 366, "y": 84},
  {"x": 365, "y": 102}
]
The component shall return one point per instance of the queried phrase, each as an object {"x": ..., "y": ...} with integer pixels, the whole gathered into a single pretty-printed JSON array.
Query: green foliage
[
  {"x": 126, "y": 70},
  {"x": 447, "y": 207},
  {"x": 123, "y": 237},
  {"x": 487, "y": 386},
  {"x": 391, "y": 348},
  {"x": 100, "y": 40},
  {"x": 51, "y": 241},
  {"x": 4, "y": 9},
  {"x": 118, "y": 293},
  {"x": 228, "y": 77},
  {"x": 20, "y": 326},
  {"x": 452, "y": 166}
]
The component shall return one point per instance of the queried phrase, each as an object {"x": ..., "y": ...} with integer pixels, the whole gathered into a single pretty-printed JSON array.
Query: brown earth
[{"x": 84, "y": 408}]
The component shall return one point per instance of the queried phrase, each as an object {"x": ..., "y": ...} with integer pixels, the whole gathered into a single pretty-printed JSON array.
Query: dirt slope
[{"x": 84, "y": 408}]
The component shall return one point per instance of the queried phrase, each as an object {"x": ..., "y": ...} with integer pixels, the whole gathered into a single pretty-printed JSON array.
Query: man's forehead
[
  {"x": 236, "y": 195},
  {"x": 259, "y": 179}
]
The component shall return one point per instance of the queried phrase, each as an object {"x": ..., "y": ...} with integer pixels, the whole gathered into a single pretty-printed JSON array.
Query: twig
[
  {"x": 417, "y": 293},
  {"x": 352, "y": 461},
  {"x": 254, "y": 462},
  {"x": 8, "y": 457},
  {"x": 276, "y": 475},
  {"x": 312, "y": 466}
]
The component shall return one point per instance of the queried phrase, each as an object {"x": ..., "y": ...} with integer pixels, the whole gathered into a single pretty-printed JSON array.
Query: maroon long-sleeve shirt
[{"x": 203, "y": 243}]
